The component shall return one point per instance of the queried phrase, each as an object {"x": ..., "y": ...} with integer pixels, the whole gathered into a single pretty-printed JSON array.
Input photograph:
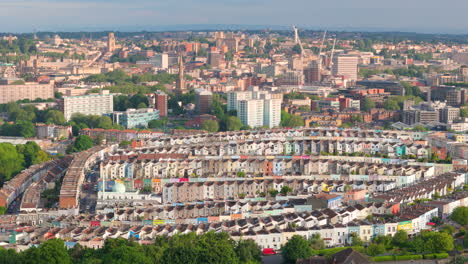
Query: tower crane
[{"x": 332, "y": 52}]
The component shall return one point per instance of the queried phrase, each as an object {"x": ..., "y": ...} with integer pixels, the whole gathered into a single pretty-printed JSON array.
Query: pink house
[{"x": 355, "y": 196}]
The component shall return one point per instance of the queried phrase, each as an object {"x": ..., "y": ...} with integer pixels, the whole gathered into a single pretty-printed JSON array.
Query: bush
[
  {"x": 441, "y": 255},
  {"x": 408, "y": 257},
  {"x": 383, "y": 258},
  {"x": 330, "y": 251}
]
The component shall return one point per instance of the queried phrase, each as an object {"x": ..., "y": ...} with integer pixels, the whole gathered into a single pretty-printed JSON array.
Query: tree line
[{"x": 180, "y": 249}]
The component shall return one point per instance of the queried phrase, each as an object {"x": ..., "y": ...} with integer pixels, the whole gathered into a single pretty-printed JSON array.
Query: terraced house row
[
  {"x": 278, "y": 134},
  {"x": 267, "y": 232},
  {"x": 292, "y": 146},
  {"x": 229, "y": 166}
]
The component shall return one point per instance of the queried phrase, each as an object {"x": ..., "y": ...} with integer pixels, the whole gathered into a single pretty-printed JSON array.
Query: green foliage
[
  {"x": 233, "y": 123},
  {"x": 408, "y": 257},
  {"x": 3, "y": 211},
  {"x": 383, "y": 258},
  {"x": 32, "y": 153},
  {"x": 375, "y": 249},
  {"x": 158, "y": 123},
  {"x": 460, "y": 215},
  {"x": 210, "y": 125},
  {"x": 285, "y": 190},
  {"x": 449, "y": 229},
  {"x": 124, "y": 143},
  {"x": 273, "y": 192},
  {"x": 248, "y": 252},
  {"x": 296, "y": 248},
  {"x": 11, "y": 162},
  {"x": 367, "y": 104},
  {"x": 55, "y": 117},
  {"x": 288, "y": 120},
  {"x": 52, "y": 251},
  {"x": 400, "y": 239},
  {"x": 356, "y": 241},
  {"x": 82, "y": 142},
  {"x": 316, "y": 242},
  {"x": 430, "y": 242}
]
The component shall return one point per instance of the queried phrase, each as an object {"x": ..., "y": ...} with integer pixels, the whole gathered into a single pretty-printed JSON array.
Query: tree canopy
[{"x": 296, "y": 248}]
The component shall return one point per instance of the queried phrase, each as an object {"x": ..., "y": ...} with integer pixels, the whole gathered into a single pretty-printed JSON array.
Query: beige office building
[
  {"x": 31, "y": 91},
  {"x": 345, "y": 65},
  {"x": 93, "y": 104}
]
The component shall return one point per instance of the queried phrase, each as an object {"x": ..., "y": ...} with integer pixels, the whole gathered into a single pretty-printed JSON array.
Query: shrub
[
  {"x": 382, "y": 258},
  {"x": 441, "y": 255},
  {"x": 330, "y": 251},
  {"x": 408, "y": 257}
]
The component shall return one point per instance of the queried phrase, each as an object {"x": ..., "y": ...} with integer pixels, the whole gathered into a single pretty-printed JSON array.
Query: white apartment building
[
  {"x": 256, "y": 108},
  {"x": 250, "y": 112},
  {"x": 93, "y": 104},
  {"x": 160, "y": 60},
  {"x": 233, "y": 99},
  {"x": 272, "y": 112}
]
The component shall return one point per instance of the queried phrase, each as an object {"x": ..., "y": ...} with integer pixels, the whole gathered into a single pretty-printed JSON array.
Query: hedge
[
  {"x": 436, "y": 256},
  {"x": 382, "y": 258},
  {"x": 330, "y": 251},
  {"x": 408, "y": 257}
]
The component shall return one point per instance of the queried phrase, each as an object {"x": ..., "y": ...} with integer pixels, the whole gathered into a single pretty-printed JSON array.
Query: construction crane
[
  {"x": 320, "y": 49},
  {"x": 297, "y": 40},
  {"x": 332, "y": 53}
]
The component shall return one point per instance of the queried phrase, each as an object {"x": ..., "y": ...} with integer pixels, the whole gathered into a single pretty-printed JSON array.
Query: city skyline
[{"x": 362, "y": 15}]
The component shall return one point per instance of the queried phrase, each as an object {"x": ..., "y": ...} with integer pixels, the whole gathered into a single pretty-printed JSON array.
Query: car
[{"x": 268, "y": 251}]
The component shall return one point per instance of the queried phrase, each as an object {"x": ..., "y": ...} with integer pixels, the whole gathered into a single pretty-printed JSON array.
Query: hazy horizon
[{"x": 428, "y": 16}]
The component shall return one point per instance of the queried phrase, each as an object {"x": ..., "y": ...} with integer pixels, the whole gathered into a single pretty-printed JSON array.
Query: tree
[
  {"x": 273, "y": 192},
  {"x": 9, "y": 256},
  {"x": 55, "y": 117},
  {"x": 449, "y": 229},
  {"x": 141, "y": 105},
  {"x": 123, "y": 251},
  {"x": 285, "y": 190},
  {"x": 124, "y": 143},
  {"x": 316, "y": 242},
  {"x": 210, "y": 125},
  {"x": 295, "y": 121},
  {"x": 248, "y": 252},
  {"x": 384, "y": 240},
  {"x": 430, "y": 242},
  {"x": 296, "y": 248},
  {"x": 400, "y": 239},
  {"x": 356, "y": 241},
  {"x": 52, "y": 251},
  {"x": 3, "y": 210},
  {"x": 82, "y": 142},
  {"x": 391, "y": 104},
  {"x": 460, "y": 215},
  {"x": 11, "y": 162},
  {"x": 375, "y": 249},
  {"x": 367, "y": 104},
  {"x": 158, "y": 123},
  {"x": 233, "y": 123}
]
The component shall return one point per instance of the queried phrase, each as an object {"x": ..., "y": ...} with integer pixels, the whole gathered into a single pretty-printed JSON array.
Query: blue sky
[{"x": 444, "y": 16}]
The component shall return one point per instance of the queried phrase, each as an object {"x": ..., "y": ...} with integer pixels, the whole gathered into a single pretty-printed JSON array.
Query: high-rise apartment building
[
  {"x": 111, "y": 42},
  {"x": 250, "y": 112},
  {"x": 345, "y": 65},
  {"x": 93, "y": 104},
  {"x": 180, "y": 84},
  {"x": 233, "y": 98},
  {"x": 272, "y": 112},
  {"x": 256, "y": 108},
  {"x": 214, "y": 57},
  {"x": 160, "y": 61},
  {"x": 160, "y": 103},
  {"x": 203, "y": 100}
]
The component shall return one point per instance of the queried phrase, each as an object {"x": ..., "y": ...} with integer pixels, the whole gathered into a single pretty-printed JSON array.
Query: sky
[{"x": 426, "y": 16}]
